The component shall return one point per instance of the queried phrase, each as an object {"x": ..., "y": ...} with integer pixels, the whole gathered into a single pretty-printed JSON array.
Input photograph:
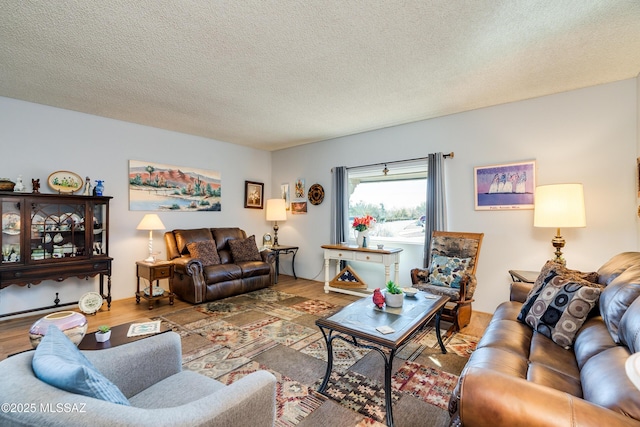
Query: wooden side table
[{"x": 153, "y": 272}]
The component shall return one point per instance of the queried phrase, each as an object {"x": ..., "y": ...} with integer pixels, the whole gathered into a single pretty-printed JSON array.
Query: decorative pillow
[
  {"x": 58, "y": 362},
  {"x": 553, "y": 267},
  {"x": 560, "y": 307},
  {"x": 447, "y": 271},
  {"x": 205, "y": 251},
  {"x": 244, "y": 249}
]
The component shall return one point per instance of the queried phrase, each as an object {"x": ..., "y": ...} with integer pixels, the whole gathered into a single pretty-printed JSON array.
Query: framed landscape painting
[
  {"x": 159, "y": 187},
  {"x": 505, "y": 186}
]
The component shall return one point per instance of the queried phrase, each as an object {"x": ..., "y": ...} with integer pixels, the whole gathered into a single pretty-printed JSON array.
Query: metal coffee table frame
[{"x": 359, "y": 320}]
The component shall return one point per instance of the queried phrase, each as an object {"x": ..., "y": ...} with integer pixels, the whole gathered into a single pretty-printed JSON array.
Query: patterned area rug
[{"x": 275, "y": 331}]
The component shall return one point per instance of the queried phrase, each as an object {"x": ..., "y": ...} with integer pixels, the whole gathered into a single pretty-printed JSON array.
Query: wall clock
[{"x": 316, "y": 194}]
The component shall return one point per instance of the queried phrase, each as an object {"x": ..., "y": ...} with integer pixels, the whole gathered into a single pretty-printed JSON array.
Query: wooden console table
[{"x": 339, "y": 253}]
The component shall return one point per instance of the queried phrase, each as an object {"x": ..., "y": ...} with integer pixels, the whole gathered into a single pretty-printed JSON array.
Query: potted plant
[
  {"x": 103, "y": 334},
  {"x": 393, "y": 295}
]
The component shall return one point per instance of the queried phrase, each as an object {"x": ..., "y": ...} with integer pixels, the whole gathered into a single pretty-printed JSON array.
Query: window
[{"x": 396, "y": 200}]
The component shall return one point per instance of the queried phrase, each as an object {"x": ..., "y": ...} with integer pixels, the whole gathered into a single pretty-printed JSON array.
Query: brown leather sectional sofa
[
  {"x": 196, "y": 282},
  {"x": 518, "y": 377}
]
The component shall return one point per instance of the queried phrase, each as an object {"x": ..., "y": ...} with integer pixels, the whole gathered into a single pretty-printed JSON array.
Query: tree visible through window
[{"x": 396, "y": 200}]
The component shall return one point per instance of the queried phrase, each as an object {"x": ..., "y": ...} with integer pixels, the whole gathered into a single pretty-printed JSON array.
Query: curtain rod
[{"x": 399, "y": 161}]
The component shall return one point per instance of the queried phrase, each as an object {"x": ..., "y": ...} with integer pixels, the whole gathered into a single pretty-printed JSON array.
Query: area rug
[{"x": 275, "y": 331}]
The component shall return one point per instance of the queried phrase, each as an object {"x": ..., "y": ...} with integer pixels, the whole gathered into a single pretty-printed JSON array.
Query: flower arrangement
[{"x": 363, "y": 223}]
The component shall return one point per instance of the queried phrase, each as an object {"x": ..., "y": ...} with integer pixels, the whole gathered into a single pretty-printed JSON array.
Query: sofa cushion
[
  {"x": 222, "y": 273},
  {"x": 617, "y": 297},
  {"x": 616, "y": 265},
  {"x": 560, "y": 307},
  {"x": 629, "y": 328},
  {"x": 183, "y": 237},
  {"x": 205, "y": 251},
  {"x": 58, "y": 362},
  {"x": 553, "y": 267},
  {"x": 605, "y": 382},
  {"x": 192, "y": 386},
  {"x": 254, "y": 268},
  {"x": 593, "y": 338},
  {"x": 245, "y": 249},
  {"x": 447, "y": 271}
]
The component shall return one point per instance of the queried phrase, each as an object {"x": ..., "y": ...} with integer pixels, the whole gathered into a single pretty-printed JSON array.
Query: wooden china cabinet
[{"x": 54, "y": 237}]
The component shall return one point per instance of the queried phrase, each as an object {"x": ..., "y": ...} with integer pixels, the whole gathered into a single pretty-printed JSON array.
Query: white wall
[
  {"x": 36, "y": 140},
  {"x": 586, "y": 135}
]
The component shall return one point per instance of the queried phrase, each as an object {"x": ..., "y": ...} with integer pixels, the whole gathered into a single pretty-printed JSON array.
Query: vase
[
  {"x": 73, "y": 324},
  {"x": 99, "y": 188},
  {"x": 393, "y": 300},
  {"x": 362, "y": 237},
  {"x": 103, "y": 336}
]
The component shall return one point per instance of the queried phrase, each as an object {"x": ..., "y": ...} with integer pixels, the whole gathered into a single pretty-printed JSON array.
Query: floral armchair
[{"x": 452, "y": 273}]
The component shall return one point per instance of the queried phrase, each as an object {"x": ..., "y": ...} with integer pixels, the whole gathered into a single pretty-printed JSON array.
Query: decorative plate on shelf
[
  {"x": 316, "y": 194},
  {"x": 90, "y": 302},
  {"x": 11, "y": 223},
  {"x": 65, "y": 182}
]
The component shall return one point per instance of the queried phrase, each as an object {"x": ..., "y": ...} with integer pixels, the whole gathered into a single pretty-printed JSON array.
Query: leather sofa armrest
[
  {"x": 519, "y": 291},
  {"x": 268, "y": 256},
  {"x": 187, "y": 265},
  {"x": 490, "y": 399},
  {"x": 192, "y": 267}
]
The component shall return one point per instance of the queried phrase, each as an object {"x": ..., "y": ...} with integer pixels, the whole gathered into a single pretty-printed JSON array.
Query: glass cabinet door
[
  {"x": 100, "y": 227},
  {"x": 11, "y": 227},
  {"x": 57, "y": 231}
]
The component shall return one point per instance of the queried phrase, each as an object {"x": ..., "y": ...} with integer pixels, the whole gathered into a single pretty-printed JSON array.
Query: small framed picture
[
  {"x": 284, "y": 193},
  {"x": 253, "y": 195}
]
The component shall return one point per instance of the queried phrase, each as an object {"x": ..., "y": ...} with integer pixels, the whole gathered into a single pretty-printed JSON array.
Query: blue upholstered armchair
[{"x": 149, "y": 374}]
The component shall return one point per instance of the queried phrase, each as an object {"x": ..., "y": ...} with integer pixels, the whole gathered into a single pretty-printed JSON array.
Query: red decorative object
[{"x": 378, "y": 298}]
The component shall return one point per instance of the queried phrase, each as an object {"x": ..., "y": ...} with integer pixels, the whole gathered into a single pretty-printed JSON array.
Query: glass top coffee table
[{"x": 359, "y": 320}]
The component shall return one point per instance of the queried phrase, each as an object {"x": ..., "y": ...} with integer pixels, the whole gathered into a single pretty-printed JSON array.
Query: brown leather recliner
[
  {"x": 518, "y": 376},
  {"x": 195, "y": 283}
]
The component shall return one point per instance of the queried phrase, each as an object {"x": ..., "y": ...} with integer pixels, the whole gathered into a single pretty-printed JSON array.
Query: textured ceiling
[{"x": 274, "y": 74}]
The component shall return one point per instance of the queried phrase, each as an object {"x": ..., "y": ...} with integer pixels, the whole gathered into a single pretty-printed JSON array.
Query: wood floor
[{"x": 14, "y": 333}]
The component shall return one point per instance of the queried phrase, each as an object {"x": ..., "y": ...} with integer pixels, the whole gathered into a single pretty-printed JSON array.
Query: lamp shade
[
  {"x": 150, "y": 222},
  {"x": 276, "y": 210},
  {"x": 559, "y": 206}
]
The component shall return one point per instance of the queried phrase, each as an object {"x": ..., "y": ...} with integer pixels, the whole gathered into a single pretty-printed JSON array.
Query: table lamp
[
  {"x": 276, "y": 211},
  {"x": 559, "y": 206},
  {"x": 150, "y": 222}
]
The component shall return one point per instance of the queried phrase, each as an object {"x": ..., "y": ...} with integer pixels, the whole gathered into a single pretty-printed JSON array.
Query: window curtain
[
  {"x": 436, "y": 215},
  {"x": 339, "y": 205}
]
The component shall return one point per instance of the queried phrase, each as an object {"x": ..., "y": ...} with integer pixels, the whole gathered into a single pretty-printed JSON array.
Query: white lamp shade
[
  {"x": 276, "y": 210},
  {"x": 150, "y": 222},
  {"x": 559, "y": 206}
]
